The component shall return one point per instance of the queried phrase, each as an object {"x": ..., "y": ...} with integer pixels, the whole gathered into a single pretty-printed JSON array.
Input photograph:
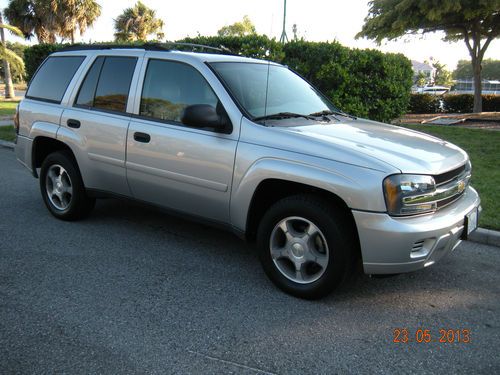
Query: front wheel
[
  {"x": 62, "y": 187},
  {"x": 305, "y": 246}
]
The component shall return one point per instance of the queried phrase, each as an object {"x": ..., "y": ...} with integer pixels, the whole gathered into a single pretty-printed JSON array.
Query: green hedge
[
  {"x": 451, "y": 103},
  {"x": 34, "y": 56},
  {"x": 366, "y": 83},
  {"x": 458, "y": 103},
  {"x": 424, "y": 103},
  {"x": 256, "y": 46},
  {"x": 491, "y": 103}
]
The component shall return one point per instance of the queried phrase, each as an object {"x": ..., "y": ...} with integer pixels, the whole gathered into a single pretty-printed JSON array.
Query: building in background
[
  {"x": 423, "y": 69},
  {"x": 466, "y": 86}
]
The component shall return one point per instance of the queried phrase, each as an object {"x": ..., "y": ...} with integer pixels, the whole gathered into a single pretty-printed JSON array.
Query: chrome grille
[
  {"x": 452, "y": 185},
  {"x": 449, "y": 176},
  {"x": 449, "y": 187}
]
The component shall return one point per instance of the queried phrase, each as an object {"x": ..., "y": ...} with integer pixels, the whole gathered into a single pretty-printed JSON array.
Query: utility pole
[{"x": 284, "y": 37}]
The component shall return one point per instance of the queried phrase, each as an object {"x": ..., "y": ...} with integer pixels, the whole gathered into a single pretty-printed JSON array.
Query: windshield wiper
[
  {"x": 283, "y": 115},
  {"x": 328, "y": 112}
]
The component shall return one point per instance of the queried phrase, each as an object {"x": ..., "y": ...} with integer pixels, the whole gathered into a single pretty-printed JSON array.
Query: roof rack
[
  {"x": 221, "y": 48},
  {"x": 92, "y": 47},
  {"x": 146, "y": 46}
]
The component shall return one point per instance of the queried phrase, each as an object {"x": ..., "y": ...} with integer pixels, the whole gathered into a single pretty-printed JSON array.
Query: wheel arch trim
[{"x": 265, "y": 169}]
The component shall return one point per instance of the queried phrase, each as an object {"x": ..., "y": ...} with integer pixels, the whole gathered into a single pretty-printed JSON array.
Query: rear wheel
[
  {"x": 62, "y": 187},
  {"x": 305, "y": 246}
]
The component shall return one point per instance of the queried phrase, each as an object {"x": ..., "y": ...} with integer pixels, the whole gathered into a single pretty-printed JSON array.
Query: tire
[
  {"x": 62, "y": 187},
  {"x": 307, "y": 230}
]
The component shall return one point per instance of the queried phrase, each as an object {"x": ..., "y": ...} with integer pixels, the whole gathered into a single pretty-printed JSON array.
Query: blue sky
[{"x": 317, "y": 20}]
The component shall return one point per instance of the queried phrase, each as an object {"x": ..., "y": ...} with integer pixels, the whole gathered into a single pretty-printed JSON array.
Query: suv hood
[{"x": 407, "y": 150}]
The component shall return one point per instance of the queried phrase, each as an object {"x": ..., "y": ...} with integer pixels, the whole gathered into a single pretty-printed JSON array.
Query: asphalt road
[{"x": 132, "y": 290}]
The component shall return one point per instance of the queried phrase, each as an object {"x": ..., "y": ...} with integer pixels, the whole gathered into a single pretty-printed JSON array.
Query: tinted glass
[
  {"x": 264, "y": 89},
  {"x": 169, "y": 87},
  {"x": 114, "y": 83},
  {"x": 53, "y": 77},
  {"x": 89, "y": 85}
]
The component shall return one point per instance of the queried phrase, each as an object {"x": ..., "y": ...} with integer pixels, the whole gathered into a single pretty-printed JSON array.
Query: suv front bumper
[{"x": 395, "y": 245}]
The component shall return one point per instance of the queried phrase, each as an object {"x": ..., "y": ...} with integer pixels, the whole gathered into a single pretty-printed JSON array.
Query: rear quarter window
[{"x": 53, "y": 77}]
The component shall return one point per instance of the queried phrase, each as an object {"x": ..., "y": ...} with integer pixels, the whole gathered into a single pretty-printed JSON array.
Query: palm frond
[
  {"x": 14, "y": 59},
  {"x": 12, "y": 29}
]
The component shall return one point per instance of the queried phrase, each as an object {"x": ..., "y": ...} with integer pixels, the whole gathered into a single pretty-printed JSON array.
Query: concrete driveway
[{"x": 131, "y": 290}]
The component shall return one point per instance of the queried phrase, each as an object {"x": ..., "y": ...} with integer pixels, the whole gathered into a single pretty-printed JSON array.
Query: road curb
[
  {"x": 6, "y": 144},
  {"x": 485, "y": 236},
  {"x": 480, "y": 235}
]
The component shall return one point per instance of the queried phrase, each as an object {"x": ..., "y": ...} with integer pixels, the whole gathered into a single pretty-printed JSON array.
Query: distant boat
[{"x": 433, "y": 90}]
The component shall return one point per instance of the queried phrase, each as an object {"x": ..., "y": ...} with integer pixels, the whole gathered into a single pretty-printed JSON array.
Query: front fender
[{"x": 358, "y": 187}]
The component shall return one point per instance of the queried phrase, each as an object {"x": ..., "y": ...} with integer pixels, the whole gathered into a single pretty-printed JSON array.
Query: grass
[
  {"x": 7, "y": 133},
  {"x": 8, "y": 107},
  {"x": 483, "y": 148}
]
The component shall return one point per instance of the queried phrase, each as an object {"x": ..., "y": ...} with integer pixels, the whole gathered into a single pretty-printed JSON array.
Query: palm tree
[
  {"x": 138, "y": 23},
  {"x": 33, "y": 17},
  {"x": 9, "y": 57},
  {"x": 50, "y": 18},
  {"x": 73, "y": 14}
]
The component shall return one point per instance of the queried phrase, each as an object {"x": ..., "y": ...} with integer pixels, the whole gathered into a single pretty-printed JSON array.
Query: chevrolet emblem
[{"x": 461, "y": 186}]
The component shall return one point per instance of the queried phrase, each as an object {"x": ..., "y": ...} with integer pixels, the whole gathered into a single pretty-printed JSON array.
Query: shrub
[
  {"x": 491, "y": 103},
  {"x": 256, "y": 46},
  {"x": 34, "y": 56},
  {"x": 424, "y": 103},
  {"x": 458, "y": 103},
  {"x": 367, "y": 83}
]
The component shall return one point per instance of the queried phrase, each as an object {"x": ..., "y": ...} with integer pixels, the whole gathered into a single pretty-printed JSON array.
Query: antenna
[{"x": 284, "y": 37}]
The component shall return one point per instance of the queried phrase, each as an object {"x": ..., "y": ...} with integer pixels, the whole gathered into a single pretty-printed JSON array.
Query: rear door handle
[
  {"x": 142, "y": 137},
  {"x": 73, "y": 123}
]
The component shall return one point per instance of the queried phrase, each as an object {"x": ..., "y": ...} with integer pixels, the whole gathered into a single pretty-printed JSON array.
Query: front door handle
[
  {"x": 142, "y": 137},
  {"x": 73, "y": 123}
]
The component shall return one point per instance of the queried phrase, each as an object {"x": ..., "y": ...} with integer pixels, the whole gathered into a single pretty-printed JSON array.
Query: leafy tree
[
  {"x": 442, "y": 77},
  {"x": 476, "y": 22},
  {"x": 137, "y": 24},
  {"x": 75, "y": 14},
  {"x": 421, "y": 79},
  {"x": 245, "y": 27},
  {"x": 491, "y": 69},
  {"x": 9, "y": 57}
]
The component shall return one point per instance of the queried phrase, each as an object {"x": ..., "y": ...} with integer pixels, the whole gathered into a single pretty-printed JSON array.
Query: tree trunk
[
  {"x": 478, "y": 100},
  {"x": 9, "y": 87}
]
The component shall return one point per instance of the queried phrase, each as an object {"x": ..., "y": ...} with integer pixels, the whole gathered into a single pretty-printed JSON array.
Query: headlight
[{"x": 407, "y": 194}]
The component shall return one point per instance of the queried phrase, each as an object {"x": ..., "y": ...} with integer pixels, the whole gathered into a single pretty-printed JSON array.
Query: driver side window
[{"x": 169, "y": 87}]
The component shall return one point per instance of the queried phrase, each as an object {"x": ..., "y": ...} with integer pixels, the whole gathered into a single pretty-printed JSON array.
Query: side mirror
[{"x": 205, "y": 116}]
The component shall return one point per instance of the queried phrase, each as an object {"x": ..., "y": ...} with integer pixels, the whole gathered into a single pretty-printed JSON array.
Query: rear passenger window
[
  {"x": 87, "y": 90},
  {"x": 169, "y": 87},
  {"x": 107, "y": 84},
  {"x": 52, "y": 79}
]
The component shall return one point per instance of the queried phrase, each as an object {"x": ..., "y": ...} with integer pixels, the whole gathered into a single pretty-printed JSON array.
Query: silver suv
[{"x": 249, "y": 145}]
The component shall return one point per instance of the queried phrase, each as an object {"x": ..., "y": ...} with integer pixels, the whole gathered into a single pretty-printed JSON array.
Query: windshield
[{"x": 264, "y": 90}]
